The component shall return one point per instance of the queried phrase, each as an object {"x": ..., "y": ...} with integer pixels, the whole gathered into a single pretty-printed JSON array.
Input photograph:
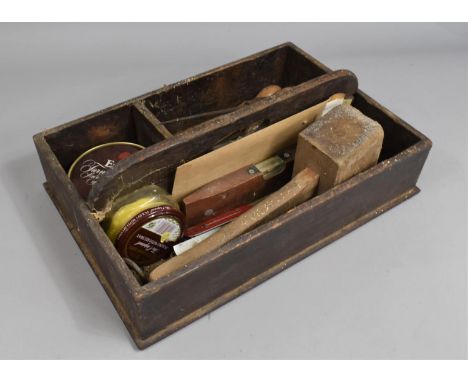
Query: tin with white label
[{"x": 145, "y": 225}]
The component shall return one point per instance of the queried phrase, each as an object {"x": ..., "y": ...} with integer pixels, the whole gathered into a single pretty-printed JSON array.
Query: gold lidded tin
[
  {"x": 145, "y": 224},
  {"x": 93, "y": 163}
]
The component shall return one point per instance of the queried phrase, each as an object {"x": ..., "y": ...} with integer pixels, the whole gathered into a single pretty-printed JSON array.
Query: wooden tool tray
[{"x": 155, "y": 310}]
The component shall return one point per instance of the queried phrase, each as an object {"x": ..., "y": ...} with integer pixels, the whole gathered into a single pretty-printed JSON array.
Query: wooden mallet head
[{"x": 339, "y": 145}]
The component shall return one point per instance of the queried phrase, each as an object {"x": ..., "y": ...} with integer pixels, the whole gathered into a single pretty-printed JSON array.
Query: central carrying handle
[{"x": 156, "y": 163}]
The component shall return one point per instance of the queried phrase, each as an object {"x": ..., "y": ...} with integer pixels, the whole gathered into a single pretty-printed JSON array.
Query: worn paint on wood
[{"x": 149, "y": 311}]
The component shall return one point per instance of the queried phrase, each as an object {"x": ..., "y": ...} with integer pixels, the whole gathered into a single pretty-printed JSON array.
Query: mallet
[{"x": 337, "y": 146}]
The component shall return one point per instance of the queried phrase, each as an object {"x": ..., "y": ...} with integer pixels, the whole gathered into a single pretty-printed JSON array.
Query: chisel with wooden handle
[{"x": 238, "y": 188}]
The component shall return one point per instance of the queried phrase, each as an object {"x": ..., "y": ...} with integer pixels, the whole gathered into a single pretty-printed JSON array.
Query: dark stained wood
[
  {"x": 155, "y": 310},
  {"x": 230, "y": 85},
  {"x": 158, "y": 162},
  {"x": 155, "y": 123}
]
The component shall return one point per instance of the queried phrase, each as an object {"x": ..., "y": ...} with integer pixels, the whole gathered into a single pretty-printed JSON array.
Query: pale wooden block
[{"x": 339, "y": 145}]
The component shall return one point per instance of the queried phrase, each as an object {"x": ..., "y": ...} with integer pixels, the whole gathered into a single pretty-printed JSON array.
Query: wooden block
[{"x": 339, "y": 145}]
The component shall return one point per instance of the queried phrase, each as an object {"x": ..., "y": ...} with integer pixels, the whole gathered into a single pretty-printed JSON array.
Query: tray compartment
[
  {"x": 229, "y": 86},
  {"x": 123, "y": 123},
  {"x": 249, "y": 259}
]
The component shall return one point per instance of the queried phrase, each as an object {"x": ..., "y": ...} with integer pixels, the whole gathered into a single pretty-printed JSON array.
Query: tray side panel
[
  {"x": 252, "y": 254},
  {"x": 121, "y": 309},
  {"x": 270, "y": 272},
  {"x": 79, "y": 220}
]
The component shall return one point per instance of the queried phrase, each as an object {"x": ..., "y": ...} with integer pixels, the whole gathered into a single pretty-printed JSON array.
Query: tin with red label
[
  {"x": 145, "y": 225},
  {"x": 93, "y": 163}
]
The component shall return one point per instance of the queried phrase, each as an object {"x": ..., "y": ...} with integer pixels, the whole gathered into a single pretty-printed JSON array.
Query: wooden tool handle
[
  {"x": 228, "y": 192},
  {"x": 299, "y": 189},
  {"x": 238, "y": 188}
]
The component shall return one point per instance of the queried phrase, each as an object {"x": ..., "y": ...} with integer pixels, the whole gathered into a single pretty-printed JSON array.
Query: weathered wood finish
[
  {"x": 157, "y": 309},
  {"x": 231, "y": 85},
  {"x": 158, "y": 163}
]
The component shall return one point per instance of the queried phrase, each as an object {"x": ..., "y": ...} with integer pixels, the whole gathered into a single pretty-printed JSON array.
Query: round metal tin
[
  {"x": 151, "y": 235},
  {"x": 93, "y": 163}
]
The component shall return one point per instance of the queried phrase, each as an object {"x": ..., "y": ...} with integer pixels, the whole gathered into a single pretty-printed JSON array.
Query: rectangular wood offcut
[{"x": 156, "y": 121}]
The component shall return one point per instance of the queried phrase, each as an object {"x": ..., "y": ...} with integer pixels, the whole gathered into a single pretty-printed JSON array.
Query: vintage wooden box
[{"x": 157, "y": 309}]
